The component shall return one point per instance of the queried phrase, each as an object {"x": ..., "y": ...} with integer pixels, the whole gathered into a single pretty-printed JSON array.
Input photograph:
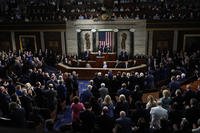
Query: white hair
[
  {"x": 103, "y": 85},
  {"x": 89, "y": 87},
  {"x": 141, "y": 74},
  {"x": 183, "y": 75},
  {"x": 122, "y": 113},
  {"x": 99, "y": 73}
]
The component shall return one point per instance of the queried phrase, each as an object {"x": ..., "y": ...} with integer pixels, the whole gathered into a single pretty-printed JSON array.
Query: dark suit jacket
[
  {"x": 124, "y": 125},
  {"x": 105, "y": 123}
]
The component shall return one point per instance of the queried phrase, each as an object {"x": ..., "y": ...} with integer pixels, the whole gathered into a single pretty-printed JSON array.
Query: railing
[{"x": 88, "y": 73}]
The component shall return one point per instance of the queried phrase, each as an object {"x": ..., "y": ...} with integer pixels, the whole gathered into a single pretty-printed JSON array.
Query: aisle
[{"x": 82, "y": 85}]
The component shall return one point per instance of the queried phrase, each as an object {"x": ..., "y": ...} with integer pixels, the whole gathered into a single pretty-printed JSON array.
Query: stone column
[
  {"x": 63, "y": 43},
  {"x": 116, "y": 41},
  {"x": 13, "y": 40},
  {"x": 150, "y": 42},
  {"x": 66, "y": 52},
  {"x": 175, "y": 41},
  {"x": 42, "y": 41},
  {"x": 132, "y": 45},
  {"x": 78, "y": 31},
  {"x": 94, "y": 40}
]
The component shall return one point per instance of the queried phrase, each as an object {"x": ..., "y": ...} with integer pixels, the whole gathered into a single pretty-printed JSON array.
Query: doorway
[
  {"x": 28, "y": 43},
  {"x": 191, "y": 43}
]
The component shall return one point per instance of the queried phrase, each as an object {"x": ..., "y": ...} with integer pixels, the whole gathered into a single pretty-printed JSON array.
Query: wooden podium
[
  {"x": 99, "y": 61},
  {"x": 107, "y": 56}
]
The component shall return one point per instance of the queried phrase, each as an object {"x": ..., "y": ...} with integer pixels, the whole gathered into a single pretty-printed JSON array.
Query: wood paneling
[
  {"x": 5, "y": 41},
  {"x": 52, "y": 41},
  {"x": 181, "y": 37},
  {"x": 88, "y": 73},
  {"x": 162, "y": 40}
]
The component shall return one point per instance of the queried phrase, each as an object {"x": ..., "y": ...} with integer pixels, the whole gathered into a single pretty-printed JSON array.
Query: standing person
[
  {"x": 87, "y": 119},
  {"x": 109, "y": 104},
  {"x": 166, "y": 99},
  {"x": 157, "y": 113},
  {"x": 76, "y": 108},
  {"x": 75, "y": 83},
  {"x": 103, "y": 91},
  {"x": 61, "y": 91},
  {"x": 123, "y": 124},
  {"x": 4, "y": 100},
  {"x": 105, "y": 64},
  {"x": 123, "y": 91},
  {"x": 121, "y": 105},
  {"x": 105, "y": 121},
  {"x": 173, "y": 85},
  {"x": 197, "y": 129},
  {"x": 86, "y": 94},
  {"x": 151, "y": 102}
]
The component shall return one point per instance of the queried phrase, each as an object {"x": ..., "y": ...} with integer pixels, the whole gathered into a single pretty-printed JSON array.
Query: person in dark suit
[
  {"x": 87, "y": 118},
  {"x": 101, "y": 48},
  {"x": 61, "y": 91},
  {"x": 123, "y": 124},
  {"x": 39, "y": 95},
  {"x": 99, "y": 54},
  {"x": 121, "y": 56},
  {"x": 107, "y": 48},
  {"x": 4, "y": 100},
  {"x": 105, "y": 121},
  {"x": 193, "y": 112},
  {"x": 86, "y": 55},
  {"x": 173, "y": 85},
  {"x": 86, "y": 94},
  {"x": 103, "y": 91},
  {"x": 17, "y": 114},
  {"x": 27, "y": 102},
  {"x": 125, "y": 56},
  {"x": 51, "y": 97},
  {"x": 121, "y": 105},
  {"x": 188, "y": 94},
  {"x": 197, "y": 130},
  {"x": 123, "y": 90}
]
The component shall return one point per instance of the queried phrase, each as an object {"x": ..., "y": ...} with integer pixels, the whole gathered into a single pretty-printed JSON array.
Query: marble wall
[{"x": 85, "y": 26}]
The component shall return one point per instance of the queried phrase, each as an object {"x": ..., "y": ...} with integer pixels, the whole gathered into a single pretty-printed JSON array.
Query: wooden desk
[
  {"x": 193, "y": 85},
  {"x": 107, "y": 56},
  {"x": 88, "y": 73},
  {"x": 98, "y": 63}
]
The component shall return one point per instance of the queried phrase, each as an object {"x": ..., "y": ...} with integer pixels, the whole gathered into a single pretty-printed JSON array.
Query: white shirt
[{"x": 157, "y": 113}]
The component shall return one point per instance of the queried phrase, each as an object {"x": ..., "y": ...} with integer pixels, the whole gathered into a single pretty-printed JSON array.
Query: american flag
[{"x": 105, "y": 38}]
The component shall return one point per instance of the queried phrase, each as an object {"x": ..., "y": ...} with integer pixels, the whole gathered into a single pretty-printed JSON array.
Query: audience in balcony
[{"x": 58, "y": 12}]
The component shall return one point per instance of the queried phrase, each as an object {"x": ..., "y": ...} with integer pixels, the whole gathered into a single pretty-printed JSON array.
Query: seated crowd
[
  {"x": 33, "y": 95},
  {"x": 59, "y": 11}
]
